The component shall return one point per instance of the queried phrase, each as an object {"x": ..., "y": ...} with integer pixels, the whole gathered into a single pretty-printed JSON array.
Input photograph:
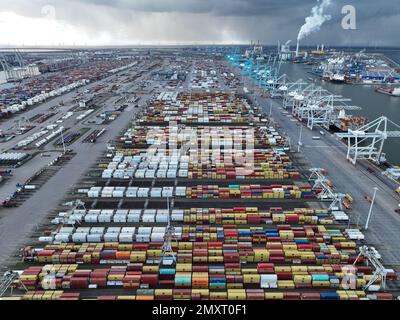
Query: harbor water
[{"x": 373, "y": 104}]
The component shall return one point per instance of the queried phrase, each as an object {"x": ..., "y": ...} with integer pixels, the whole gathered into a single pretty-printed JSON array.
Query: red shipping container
[
  {"x": 274, "y": 253},
  {"x": 291, "y": 295},
  {"x": 101, "y": 282},
  {"x": 200, "y": 268},
  {"x": 79, "y": 283},
  {"x": 305, "y": 247},
  {"x": 106, "y": 298},
  {"x": 254, "y": 294},
  {"x": 310, "y": 296},
  {"x": 81, "y": 274},
  {"x": 150, "y": 279},
  {"x": 284, "y": 275},
  {"x": 134, "y": 267},
  {"x": 277, "y": 259},
  {"x": 384, "y": 296}
]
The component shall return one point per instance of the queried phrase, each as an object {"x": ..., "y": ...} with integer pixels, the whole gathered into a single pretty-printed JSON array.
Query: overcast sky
[{"x": 125, "y": 22}]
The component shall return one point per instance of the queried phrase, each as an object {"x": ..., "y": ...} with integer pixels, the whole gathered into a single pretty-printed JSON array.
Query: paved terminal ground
[
  {"x": 28, "y": 169},
  {"x": 329, "y": 153},
  {"x": 22, "y": 174},
  {"x": 17, "y": 224}
]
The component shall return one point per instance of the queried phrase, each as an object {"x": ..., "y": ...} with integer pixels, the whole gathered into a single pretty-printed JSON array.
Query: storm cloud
[{"x": 123, "y": 22}]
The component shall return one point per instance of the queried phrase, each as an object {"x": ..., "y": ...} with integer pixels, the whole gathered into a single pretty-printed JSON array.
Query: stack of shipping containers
[{"x": 242, "y": 230}]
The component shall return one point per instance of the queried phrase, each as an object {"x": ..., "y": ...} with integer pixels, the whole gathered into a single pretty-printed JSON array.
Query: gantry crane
[
  {"x": 320, "y": 182},
  {"x": 168, "y": 256},
  {"x": 75, "y": 205},
  {"x": 380, "y": 271},
  {"x": 367, "y": 141},
  {"x": 8, "y": 280}
]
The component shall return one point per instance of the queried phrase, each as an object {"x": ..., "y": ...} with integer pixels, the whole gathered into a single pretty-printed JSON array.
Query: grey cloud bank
[{"x": 194, "y": 21}]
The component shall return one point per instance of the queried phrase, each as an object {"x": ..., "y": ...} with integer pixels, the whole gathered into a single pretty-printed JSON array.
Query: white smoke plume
[{"x": 315, "y": 20}]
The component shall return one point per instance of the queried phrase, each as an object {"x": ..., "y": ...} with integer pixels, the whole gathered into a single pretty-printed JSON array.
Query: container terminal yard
[{"x": 191, "y": 175}]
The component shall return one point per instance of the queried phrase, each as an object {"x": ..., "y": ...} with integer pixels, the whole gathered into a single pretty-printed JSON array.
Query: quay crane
[{"x": 367, "y": 141}]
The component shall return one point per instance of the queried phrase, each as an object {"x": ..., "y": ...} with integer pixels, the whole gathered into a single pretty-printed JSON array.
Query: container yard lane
[{"x": 16, "y": 224}]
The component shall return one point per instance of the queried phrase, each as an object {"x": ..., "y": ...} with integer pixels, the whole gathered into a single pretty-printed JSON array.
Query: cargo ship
[
  {"x": 391, "y": 91},
  {"x": 338, "y": 78}
]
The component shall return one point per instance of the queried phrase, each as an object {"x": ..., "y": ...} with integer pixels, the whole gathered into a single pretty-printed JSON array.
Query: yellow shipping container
[
  {"x": 319, "y": 284},
  {"x": 183, "y": 267},
  {"x": 185, "y": 245},
  {"x": 126, "y": 298},
  {"x": 299, "y": 270},
  {"x": 204, "y": 293},
  {"x": 218, "y": 295},
  {"x": 154, "y": 253},
  {"x": 116, "y": 276},
  {"x": 251, "y": 278},
  {"x": 286, "y": 284},
  {"x": 150, "y": 269},
  {"x": 283, "y": 269},
  {"x": 163, "y": 292},
  {"x": 249, "y": 271},
  {"x": 216, "y": 259},
  {"x": 236, "y": 294},
  {"x": 273, "y": 295},
  {"x": 234, "y": 285},
  {"x": 302, "y": 279}
]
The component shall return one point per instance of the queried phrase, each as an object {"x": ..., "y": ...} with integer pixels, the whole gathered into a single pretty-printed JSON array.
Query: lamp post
[
  {"x": 62, "y": 139},
  {"x": 300, "y": 135},
  {"x": 270, "y": 109},
  {"x": 370, "y": 209}
]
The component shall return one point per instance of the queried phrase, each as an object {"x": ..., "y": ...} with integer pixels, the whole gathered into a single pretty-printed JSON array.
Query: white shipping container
[
  {"x": 46, "y": 239},
  {"x": 144, "y": 230},
  {"x": 143, "y": 192},
  {"x": 91, "y": 218},
  {"x": 148, "y": 217},
  {"x": 111, "y": 237},
  {"x": 83, "y": 230},
  {"x": 180, "y": 191},
  {"x": 131, "y": 192},
  {"x": 142, "y": 238},
  {"x": 105, "y": 217},
  {"x": 162, "y": 218},
  {"x": 126, "y": 237},
  {"x": 133, "y": 217},
  {"x": 97, "y": 230},
  {"x": 157, "y": 237},
  {"x": 118, "y": 217},
  {"x": 155, "y": 192},
  {"x": 161, "y": 174},
  {"x": 62, "y": 237},
  {"x": 67, "y": 230},
  {"x": 79, "y": 237},
  {"x": 113, "y": 229}
]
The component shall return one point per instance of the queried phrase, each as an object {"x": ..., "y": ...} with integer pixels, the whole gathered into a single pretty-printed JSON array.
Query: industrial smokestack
[
  {"x": 297, "y": 48},
  {"x": 317, "y": 18}
]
